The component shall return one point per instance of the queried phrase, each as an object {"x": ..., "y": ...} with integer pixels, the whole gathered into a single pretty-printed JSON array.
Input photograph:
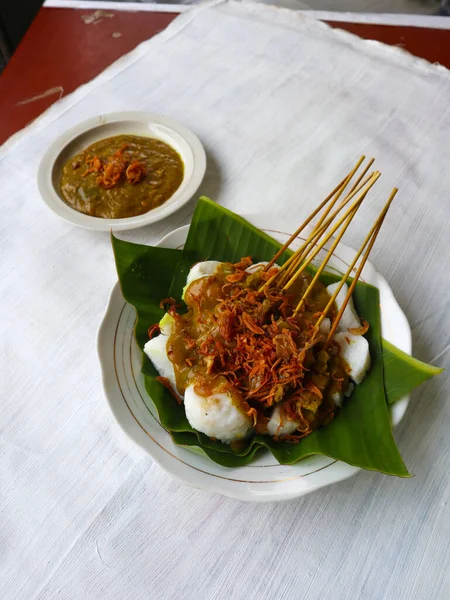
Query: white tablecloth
[{"x": 284, "y": 105}]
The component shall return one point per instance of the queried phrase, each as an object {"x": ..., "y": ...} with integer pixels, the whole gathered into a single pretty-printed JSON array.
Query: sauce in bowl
[{"x": 121, "y": 176}]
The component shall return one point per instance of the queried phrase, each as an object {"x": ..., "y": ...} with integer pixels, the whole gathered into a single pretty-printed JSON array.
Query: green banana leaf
[
  {"x": 402, "y": 372},
  {"x": 360, "y": 435}
]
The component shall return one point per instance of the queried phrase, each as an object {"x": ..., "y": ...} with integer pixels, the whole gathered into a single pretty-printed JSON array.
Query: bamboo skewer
[
  {"x": 373, "y": 237},
  {"x": 293, "y": 261},
  {"x": 337, "y": 190},
  {"x": 302, "y": 253},
  {"x": 317, "y": 227},
  {"x": 322, "y": 232},
  {"x": 369, "y": 164},
  {"x": 315, "y": 250},
  {"x": 305, "y": 223},
  {"x": 355, "y": 260},
  {"x": 348, "y": 216},
  {"x": 339, "y": 194},
  {"x": 326, "y": 259}
]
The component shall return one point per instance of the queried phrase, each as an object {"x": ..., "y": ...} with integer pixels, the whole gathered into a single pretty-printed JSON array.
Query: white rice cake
[
  {"x": 349, "y": 319},
  {"x": 355, "y": 353}
]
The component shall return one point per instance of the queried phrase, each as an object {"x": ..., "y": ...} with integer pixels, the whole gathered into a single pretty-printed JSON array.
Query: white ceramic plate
[
  {"x": 263, "y": 480},
  {"x": 132, "y": 123}
]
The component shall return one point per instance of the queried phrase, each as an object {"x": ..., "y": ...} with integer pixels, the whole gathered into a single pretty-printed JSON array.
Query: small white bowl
[{"x": 83, "y": 135}]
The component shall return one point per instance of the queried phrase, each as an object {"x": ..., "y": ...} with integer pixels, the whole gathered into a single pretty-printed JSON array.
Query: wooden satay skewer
[
  {"x": 347, "y": 216},
  {"x": 366, "y": 168},
  {"x": 293, "y": 261},
  {"x": 299, "y": 255},
  {"x": 340, "y": 192},
  {"x": 327, "y": 257},
  {"x": 372, "y": 238},
  {"x": 313, "y": 236},
  {"x": 302, "y": 252},
  {"x": 337, "y": 190},
  {"x": 353, "y": 263},
  {"x": 350, "y": 212}
]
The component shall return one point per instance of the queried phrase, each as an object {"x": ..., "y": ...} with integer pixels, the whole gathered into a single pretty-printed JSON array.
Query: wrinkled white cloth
[{"x": 284, "y": 106}]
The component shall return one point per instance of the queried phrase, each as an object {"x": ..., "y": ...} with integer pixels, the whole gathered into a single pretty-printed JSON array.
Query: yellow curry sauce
[
  {"x": 236, "y": 344},
  {"x": 121, "y": 176}
]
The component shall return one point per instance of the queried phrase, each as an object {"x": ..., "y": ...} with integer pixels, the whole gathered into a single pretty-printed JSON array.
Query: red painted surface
[
  {"x": 431, "y": 44},
  {"x": 60, "y": 52}
]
